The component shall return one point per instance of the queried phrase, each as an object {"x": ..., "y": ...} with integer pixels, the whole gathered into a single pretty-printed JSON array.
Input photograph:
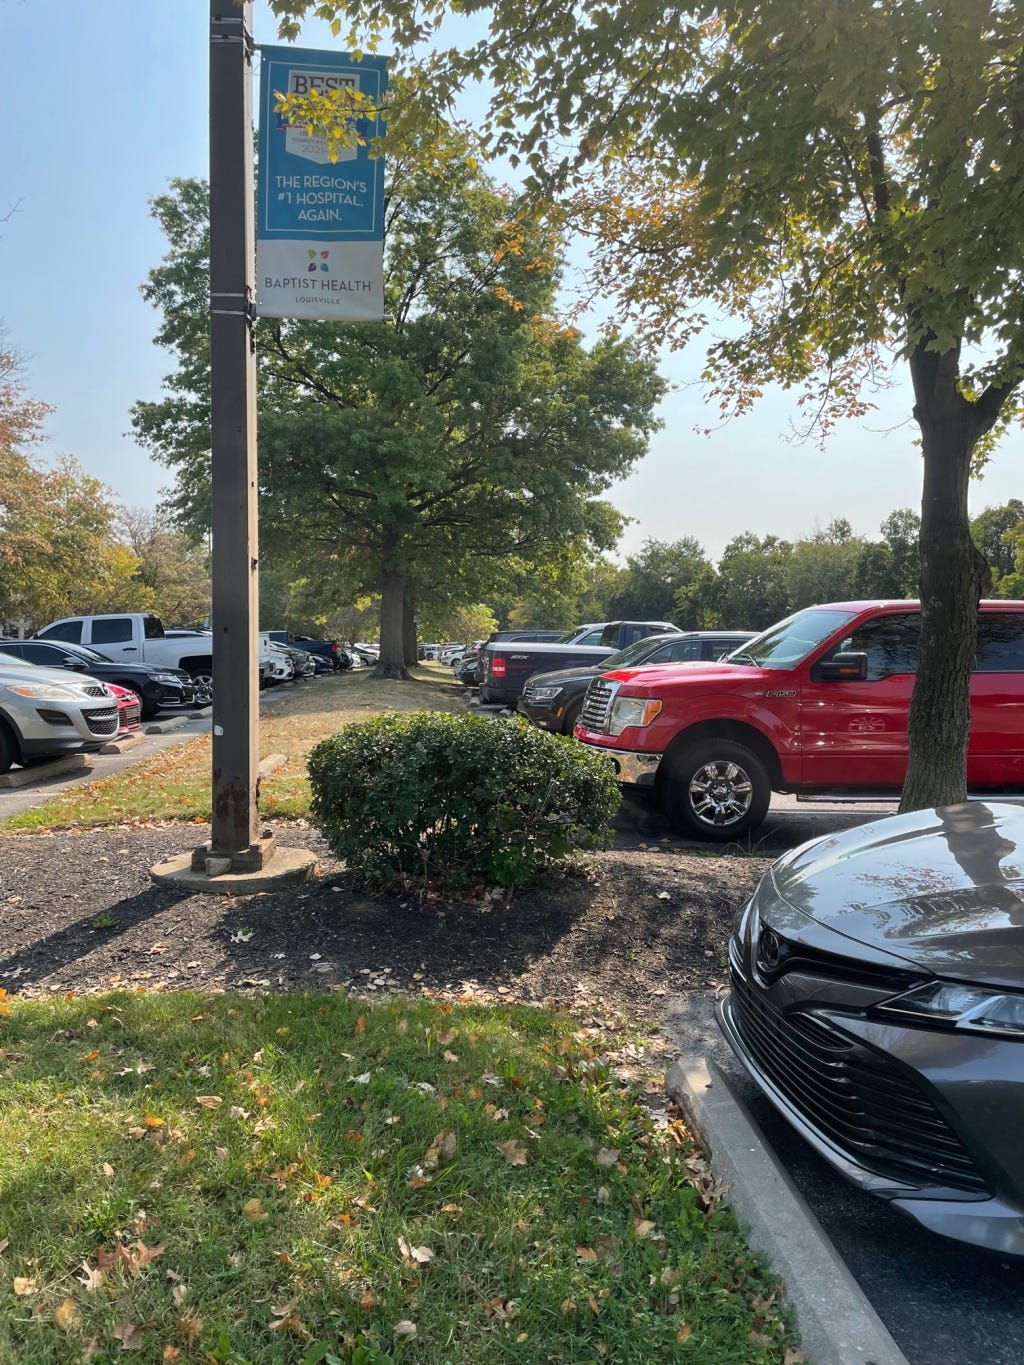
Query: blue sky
[{"x": 107, "y": 102}]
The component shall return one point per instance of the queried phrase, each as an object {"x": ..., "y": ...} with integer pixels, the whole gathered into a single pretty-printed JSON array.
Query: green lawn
[{"x": 235, "y": 1179}]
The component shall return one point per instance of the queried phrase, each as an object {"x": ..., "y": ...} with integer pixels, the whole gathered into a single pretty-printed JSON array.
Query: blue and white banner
[{"x": 319, "y": 223}]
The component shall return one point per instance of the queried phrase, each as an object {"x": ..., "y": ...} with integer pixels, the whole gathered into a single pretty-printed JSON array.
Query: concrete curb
[
  {"x": 837, "y": 1324},
  {"x": 124, "y": 745},
  {"x": 42, "y": 772},
  {"x": 178, "y": 722}
]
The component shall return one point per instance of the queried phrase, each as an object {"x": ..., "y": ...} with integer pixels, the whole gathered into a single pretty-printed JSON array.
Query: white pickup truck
[{"x": 136, "y": 637}]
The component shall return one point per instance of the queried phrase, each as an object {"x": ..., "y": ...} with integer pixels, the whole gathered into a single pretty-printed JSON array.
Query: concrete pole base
[{"x": 289, "y": 867}]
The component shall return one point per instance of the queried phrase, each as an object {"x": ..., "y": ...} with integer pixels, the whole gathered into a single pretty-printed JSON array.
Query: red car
[{"x": 129, "y": 710}]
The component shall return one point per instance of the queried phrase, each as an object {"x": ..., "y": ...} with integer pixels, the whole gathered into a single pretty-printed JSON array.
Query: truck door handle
[{"x": 129, "y": 649}]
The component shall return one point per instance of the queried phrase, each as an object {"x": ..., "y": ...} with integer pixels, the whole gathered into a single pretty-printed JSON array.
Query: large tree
[
  {"x": 464, "y": 440},
  {"x": 845, "y": 179}
]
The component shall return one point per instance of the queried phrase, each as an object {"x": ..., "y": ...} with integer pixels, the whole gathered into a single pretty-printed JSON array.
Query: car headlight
[
  {"x": 43, "y": 691},
  {"x": 629, "y": 711},
  {"x": 976, "y": 1009},
  {"x": 171, "y": 678},
  {"x": 544, "y": 693}
]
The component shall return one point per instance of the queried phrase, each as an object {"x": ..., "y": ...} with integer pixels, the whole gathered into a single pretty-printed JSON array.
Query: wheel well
[
  {"x": 198, "y": 661},
  {"x": 734, "y": 730},
  {"x": 13, "y": 735}
]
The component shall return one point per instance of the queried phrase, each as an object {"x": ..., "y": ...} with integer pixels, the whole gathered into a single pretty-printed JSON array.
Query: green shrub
[{"x": 456, "y": 797}]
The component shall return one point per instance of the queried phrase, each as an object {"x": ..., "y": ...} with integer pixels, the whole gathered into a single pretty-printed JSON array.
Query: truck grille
[
  {"x": 102, "y": 722},
  {"x": 855, "y": 1097},
  {"x": 597, "y": 704}
]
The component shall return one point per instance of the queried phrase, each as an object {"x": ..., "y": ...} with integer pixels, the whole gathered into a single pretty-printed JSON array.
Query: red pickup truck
[{"x": 816, "y": 705}]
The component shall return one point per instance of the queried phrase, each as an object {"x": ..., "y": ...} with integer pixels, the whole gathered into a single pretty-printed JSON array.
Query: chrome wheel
[{"x": 720, "y": 793}]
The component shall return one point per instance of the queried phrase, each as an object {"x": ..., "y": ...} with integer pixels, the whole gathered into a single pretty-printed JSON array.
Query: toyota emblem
[{"x": 770, "y": 949}]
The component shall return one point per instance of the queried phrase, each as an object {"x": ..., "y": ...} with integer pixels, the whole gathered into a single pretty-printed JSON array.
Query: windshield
[
  {"x": 84, "y": 652},
  {"x": 634, "y": 653},
  {"x": 790, "y": 642}
]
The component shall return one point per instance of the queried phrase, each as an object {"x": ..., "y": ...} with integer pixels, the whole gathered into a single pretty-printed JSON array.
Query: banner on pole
[{"x": 319, "y": 223}]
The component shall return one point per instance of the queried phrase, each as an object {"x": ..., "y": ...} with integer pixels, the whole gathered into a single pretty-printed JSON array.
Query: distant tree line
[{"x": 761, "y": 579}]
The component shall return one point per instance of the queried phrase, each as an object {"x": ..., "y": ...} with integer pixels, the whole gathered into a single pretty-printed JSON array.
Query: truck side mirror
[{"x": 846, "y": 666}]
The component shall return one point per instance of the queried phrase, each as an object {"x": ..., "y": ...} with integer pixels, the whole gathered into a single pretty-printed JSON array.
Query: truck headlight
[
  {"x": 977, "y": 1009},
  {"x": 632, "y": 711}
]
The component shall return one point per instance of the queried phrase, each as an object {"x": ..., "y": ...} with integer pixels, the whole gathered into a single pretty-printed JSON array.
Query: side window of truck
[
  {"x": 1000, "y": 642},
  {"x": 890, "y": 642},
  {"x": 111, "y": 630},
  {"x": 68, "y": 630}
]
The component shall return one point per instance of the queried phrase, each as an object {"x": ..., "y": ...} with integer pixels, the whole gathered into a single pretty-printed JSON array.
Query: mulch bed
[{"x": 79, "y": 913}]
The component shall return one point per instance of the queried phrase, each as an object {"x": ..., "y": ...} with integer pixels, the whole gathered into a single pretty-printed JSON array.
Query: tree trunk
[
  {"x": 409, "y": 632},
  {"x": 391, "y": 663},
  {"x": 953, "y": 578}
]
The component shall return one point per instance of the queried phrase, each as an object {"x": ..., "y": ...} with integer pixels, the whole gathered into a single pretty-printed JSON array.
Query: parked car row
[{"x": 60, "y": 694}]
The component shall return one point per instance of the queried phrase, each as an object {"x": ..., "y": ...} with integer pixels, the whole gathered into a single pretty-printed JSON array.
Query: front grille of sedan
[
  {"x": 597, "y": 704},
  {"x": 131, "y": 713},
  {"x": 102, "y": 722},
  {"x": 856, "y": 1098}
]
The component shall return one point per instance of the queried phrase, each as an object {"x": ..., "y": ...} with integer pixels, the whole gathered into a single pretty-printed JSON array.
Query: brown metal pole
[{"x": 233, "y": 443}]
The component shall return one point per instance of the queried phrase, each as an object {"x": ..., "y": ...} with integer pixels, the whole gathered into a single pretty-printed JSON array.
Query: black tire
[
  {"x": 571, "y": 715},
  {"x": 8, "y": 749},
  {"x": 718, "y": 790}
]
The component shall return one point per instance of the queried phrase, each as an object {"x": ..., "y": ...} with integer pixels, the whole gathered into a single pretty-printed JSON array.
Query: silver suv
[{"x": 44, "y": 713}]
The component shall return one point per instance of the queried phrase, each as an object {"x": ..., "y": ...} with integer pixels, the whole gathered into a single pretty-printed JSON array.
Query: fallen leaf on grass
[
  {"x": 287, "y": 1320},
  {"x": 65, "y": 1314},
  {"x": 643, "y": 1227},
  {"x": 209, "y": 1101},
  {"x": 93, "y": 1277},
  {"x": 607, "y": 1156},
  {"x": 405, "y": 1328},
  {"x": 603, "y": 1194},
  {"x": 191, "y": 1326},
  {"x": 685, "y": 1333},
  {"x": 23, "y": 1285},
  {"x": 128, "y": 1334},
  {"x": 419, "y": 1255},
  {"x": 254, "y": 1212},
  {"x": 151, "y": 1121},
  {"x": 171, "y": 1353},
  {"x": 513, "y": 1152}
]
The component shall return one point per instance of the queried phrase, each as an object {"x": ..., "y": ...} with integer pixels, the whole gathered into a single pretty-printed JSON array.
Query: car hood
[
  {"x": 582, "y": 673},
  {"x": 941, "y": 888},
  {"x": 39, "y": 673},
  {"x": 660, "y": 676}
]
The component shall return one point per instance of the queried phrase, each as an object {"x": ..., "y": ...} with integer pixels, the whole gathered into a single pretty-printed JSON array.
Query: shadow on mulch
[{"x": 78, "y": 912}]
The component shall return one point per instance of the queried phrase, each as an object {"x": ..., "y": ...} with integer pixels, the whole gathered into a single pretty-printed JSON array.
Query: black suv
[{"x": 157, "y": 688}]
